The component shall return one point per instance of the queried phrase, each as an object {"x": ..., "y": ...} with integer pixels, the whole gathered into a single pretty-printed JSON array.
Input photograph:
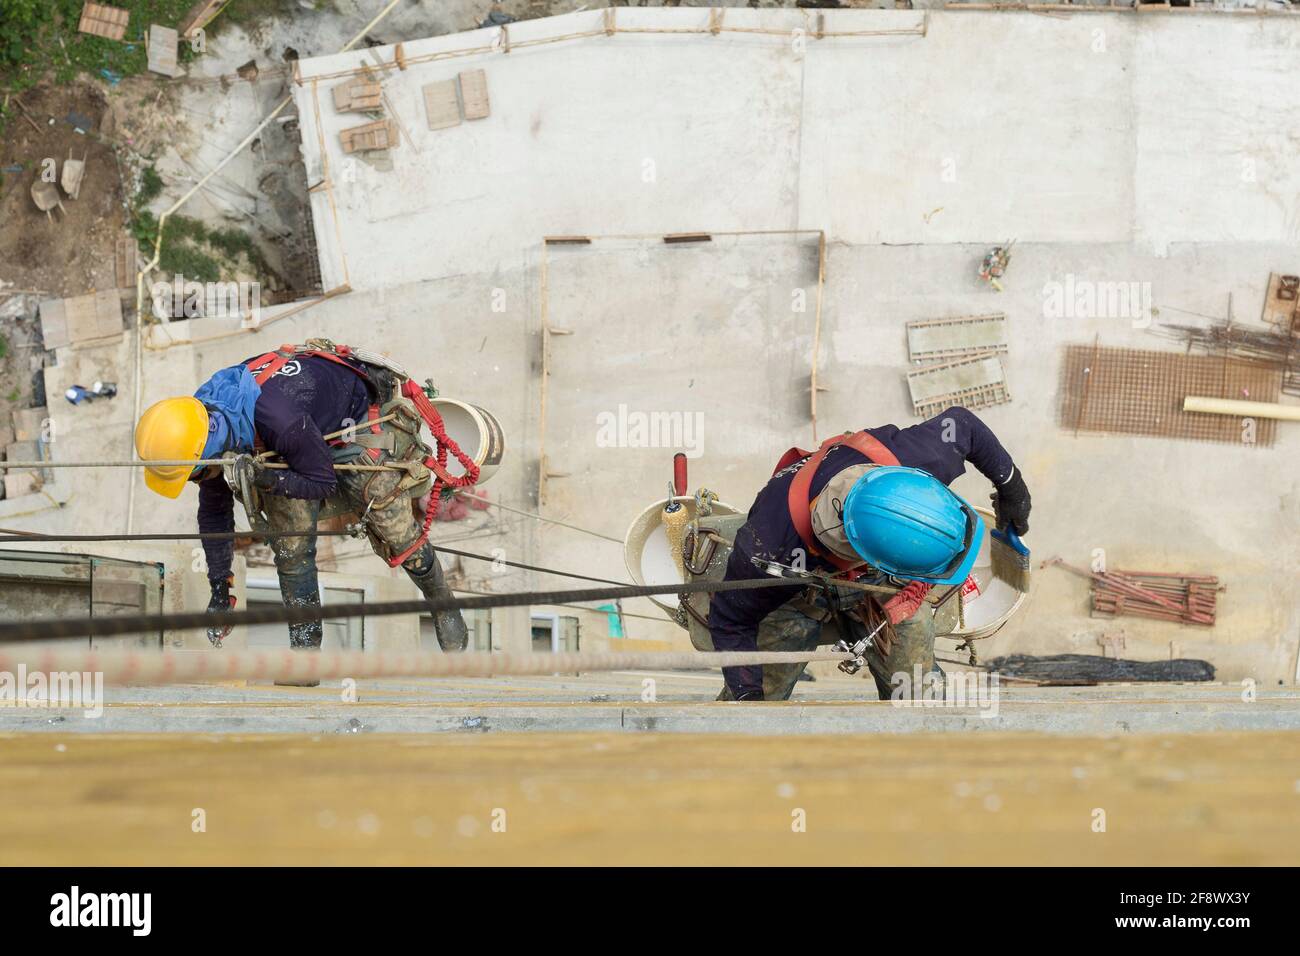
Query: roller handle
[{"x": 679, "y": 473}]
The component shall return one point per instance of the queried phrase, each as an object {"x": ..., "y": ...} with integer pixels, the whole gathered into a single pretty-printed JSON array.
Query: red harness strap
[
  {"x": 799, "y": 499},
  {"x": 436, "y": 463},
  {"x": 264, "y": 366}
]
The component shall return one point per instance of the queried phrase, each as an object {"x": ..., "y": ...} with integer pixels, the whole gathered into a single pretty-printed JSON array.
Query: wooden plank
[
  {"x": 162, "y": 50},
  {"x": 199, "y": 16},
  {"x": 81, "y": 318},
  {"x": 104, "y": 21},
  {"x": 358, "y": 95},
  {"x": 441, "y": 104},
  {"x": 381, "y": 134},
  {"x": 54, "y": 323},
  {"x": 125, "y": 262},
  {"x": 953, "y": 799},
  {"x": 474, "y": 94}
]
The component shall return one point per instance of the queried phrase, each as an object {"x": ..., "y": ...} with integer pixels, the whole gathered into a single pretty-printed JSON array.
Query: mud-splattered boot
[
  {"x": 426, "y": 572},
  {"x": 305, "y": 636}
]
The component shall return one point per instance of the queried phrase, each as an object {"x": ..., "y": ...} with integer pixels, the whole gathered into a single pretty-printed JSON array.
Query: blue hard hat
[{"x": 907, "y": 523}]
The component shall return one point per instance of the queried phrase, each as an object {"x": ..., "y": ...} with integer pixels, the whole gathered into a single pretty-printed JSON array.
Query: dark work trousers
[
  {"x": 395, "y": 528},
  {"x": 790, "y": 628}
]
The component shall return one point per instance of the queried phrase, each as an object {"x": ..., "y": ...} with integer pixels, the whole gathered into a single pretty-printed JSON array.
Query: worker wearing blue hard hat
[{"x": 872, "y": 506}]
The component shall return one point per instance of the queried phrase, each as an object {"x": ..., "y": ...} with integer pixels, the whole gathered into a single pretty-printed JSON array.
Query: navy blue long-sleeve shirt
[
  {"x": 307, "y": 399},
  {"x": 941, "y": 446}
]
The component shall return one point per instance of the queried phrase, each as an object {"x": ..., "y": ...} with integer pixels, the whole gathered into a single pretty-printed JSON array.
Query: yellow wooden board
[{"x": 970, "y": 798}]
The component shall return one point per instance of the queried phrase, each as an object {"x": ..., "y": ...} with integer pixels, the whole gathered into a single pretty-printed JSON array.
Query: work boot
[
  {"x": 453, "y": 636},
  {"x": 305, "y": 636}
]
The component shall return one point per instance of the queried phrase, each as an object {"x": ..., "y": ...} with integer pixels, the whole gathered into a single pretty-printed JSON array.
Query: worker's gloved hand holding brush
[
  {"x": 222, "y": 600},
  {"x": 1011, "y": 504}
]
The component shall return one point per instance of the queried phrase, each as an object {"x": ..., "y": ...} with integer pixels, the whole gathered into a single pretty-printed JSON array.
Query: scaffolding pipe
[{"x": 1241, "y": 409}]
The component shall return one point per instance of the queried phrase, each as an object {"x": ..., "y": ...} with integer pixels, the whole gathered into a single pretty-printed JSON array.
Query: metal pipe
[{"x": 1236, "y": 407}]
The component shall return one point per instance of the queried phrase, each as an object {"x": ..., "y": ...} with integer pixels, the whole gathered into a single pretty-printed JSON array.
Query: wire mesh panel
[{"x": 1137, "y": 392}]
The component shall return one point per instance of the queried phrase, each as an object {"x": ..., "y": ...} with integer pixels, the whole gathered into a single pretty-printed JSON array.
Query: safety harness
[
  {"x": 799, "y": 501},
  {"x": 267, "y": 365}
]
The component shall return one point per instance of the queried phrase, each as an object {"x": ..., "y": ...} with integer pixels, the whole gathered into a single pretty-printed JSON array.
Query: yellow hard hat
[{"x": 171, "y": 430}]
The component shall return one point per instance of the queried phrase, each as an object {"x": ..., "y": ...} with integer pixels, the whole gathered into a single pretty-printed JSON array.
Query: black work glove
[
  {"x": 222, "y": 600},
  {"x": 1011, "y": 504},
  {"x": 264, "y": 478}
]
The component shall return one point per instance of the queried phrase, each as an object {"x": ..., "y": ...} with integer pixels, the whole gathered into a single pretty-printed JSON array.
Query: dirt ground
[
  {"x": 653, "y": 799},
  {"x": 74, "y": 254},
  {"x": 70, "y": 256}
]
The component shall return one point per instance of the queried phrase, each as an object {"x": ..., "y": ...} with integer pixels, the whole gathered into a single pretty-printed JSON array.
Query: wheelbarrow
[
  {"x": 46, "y": 197},
  {"x": 73, "y": 171}
]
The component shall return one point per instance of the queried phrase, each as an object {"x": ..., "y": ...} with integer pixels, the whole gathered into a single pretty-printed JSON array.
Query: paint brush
[{"x": 1010, "y": 558}]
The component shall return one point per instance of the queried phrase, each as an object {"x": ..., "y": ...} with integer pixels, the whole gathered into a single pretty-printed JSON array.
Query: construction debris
[
  {"x": 1083, "y": 669},
  {"x": 1276, "y": 349},
  {"x": 200, "y": 15},
  {"x": 357, "y": 95},
  {"x": 447, "y": 102},
  {"x": 1282, "y": 303},
  {"x": 126, "y": 261},
  {"x": 441, "y": 105},
  {"x": 29, "y": 425},
  {"x": 474, "y": 94},
  {"x": 931, "y": 340},
  {"x": 1179, "y": 598},
  {"x": 27, "y": 441},
  {"x": 162, "y": 50},
  {"x": 379, "y": 135},
  {"x": 994, "y": 265},
  {"x": 73, "y": 172},
  {"x": 977, "y": 381},
  {"x": 46, "y": 196},
  {"x": 97, "y": 315},
  {"x": 104, "y": 21}
]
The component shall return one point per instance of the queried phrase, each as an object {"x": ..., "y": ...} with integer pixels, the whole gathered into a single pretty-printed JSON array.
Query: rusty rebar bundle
[
  {"x": 1278, "y": 349},
  {"x": 1180, "y": 598}
]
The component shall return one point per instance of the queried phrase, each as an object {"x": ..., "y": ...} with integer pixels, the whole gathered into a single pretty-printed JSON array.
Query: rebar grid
[{"x": 1137, "y": 392}]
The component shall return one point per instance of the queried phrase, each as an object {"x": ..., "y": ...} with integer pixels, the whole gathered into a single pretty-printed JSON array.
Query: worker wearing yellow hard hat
[
  {"x": 175, "y": 429},
  {"x": 288, "y": 402}
]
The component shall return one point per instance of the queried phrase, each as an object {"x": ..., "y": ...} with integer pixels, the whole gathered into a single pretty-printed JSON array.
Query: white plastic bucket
[
  {"x": 477, "y": 433},
  {"x": 646, "y": 553},
  {"x": 997, "y": 601}
]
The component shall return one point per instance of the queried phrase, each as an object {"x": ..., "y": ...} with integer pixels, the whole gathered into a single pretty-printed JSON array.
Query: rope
[
  {"x": 532, "y": 514},
  {"x": 42, "y": 465},
  {"x": 12, "y": 536},
  {"x": 436, "y": 464},
  {"x": 46, "y": 629},
  {"x": 528, "y": 567},
  {"x": 204, "y": 462},
  {"x": 146, "y": 667},
  {"x": 167, "y": 462}
]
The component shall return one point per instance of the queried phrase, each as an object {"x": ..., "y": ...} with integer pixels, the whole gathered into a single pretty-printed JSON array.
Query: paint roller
[{"x": 676, "y": 516}]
